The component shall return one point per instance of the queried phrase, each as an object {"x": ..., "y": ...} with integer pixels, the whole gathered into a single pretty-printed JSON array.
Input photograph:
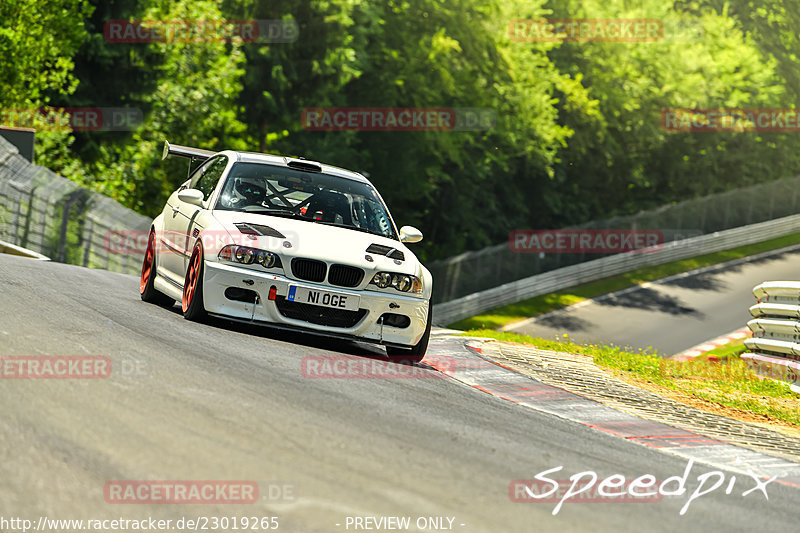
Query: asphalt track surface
[
  {"x": 221, "y": 401},
  {"x": 670, "y": 315}
]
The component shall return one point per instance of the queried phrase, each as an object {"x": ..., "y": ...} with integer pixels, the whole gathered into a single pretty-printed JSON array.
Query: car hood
[{"x": 316, "y": 241}]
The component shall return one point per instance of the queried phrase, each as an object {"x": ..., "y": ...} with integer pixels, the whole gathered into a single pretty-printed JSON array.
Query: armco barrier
[
  {"x": 775, "y": 345},
  {"x": 481, "y": 270},
  {"x": 13, "y": 249},
  {"x": 54, "y": 216},
  {"x": 555, "y": 280}
]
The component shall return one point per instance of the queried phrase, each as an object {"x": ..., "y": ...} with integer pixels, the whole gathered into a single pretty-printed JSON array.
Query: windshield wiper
[
  {"x": 272, "y": 211},
  {"x": 356, "y": 228}
]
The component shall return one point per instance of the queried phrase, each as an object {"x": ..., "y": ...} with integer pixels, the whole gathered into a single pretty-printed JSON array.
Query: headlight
[
  {"x": 248, "y": 256},
  {"x": 245, "y": 255},
  {"x": 267, "y": 259},
  {"x": 382, "y": 279},
  {"x": 401, "y": 282}
]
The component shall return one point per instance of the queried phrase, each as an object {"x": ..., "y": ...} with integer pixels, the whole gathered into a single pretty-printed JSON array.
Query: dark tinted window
[
  {"x": 209, "y": 177},
  {"x": 309, "y": 196}
]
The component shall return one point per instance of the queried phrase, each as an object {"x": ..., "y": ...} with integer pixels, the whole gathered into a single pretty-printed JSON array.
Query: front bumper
[{"x": 219, "y": 277}]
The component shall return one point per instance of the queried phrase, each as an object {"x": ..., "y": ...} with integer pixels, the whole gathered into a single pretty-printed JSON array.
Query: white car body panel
[{"x": 181, "y": 225}]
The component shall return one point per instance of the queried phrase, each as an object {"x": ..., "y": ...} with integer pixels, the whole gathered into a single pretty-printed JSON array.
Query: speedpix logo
[{"x": 585, "y": 487}]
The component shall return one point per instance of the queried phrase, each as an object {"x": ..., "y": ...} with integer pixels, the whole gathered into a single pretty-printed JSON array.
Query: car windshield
[{"x": 309, "y": 196}]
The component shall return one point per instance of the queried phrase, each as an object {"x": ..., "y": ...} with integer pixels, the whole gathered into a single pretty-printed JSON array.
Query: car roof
[{"x": 283, "y": 161}]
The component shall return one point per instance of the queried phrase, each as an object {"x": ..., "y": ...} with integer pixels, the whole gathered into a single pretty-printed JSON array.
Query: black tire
[
  {"x": 416, "y": 353},
  {"x": 147, "y": 290},
  {"x": 192, "y": 302}
]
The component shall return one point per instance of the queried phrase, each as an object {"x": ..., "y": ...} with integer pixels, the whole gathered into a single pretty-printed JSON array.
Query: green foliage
[
  {"x": 37, "y": 41},
  {"x": 620, "y": 160},
  {"x": 193, "y": 104},
  {"x": 577, "y": 136}
]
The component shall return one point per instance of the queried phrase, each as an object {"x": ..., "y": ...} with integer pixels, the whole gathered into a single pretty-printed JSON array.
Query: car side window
[{"x": 207, "y": 180}]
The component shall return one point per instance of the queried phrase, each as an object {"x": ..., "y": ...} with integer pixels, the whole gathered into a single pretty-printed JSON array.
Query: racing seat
[
  {"x": 251, "y": 191},
  {"x": 330, "y": 204}
]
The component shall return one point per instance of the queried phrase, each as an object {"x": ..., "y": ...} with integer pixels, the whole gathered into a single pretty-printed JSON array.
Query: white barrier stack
[{"x": 774, "y": 349}]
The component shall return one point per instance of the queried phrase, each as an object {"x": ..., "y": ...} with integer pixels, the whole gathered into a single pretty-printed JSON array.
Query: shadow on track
[
  {"x": 301, "y": 338},
  {"x": 648, "y": 299}
]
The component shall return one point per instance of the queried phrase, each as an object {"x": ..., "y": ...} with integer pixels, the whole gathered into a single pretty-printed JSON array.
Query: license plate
[{"x": 334, "y": 300}]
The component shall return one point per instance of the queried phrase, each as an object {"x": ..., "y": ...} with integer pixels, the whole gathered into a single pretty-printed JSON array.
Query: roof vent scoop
[{"x": 300, "y": 164}]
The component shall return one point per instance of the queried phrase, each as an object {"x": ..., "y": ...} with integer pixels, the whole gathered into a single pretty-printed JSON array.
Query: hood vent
[
  {"x": 259, "y": 230},
  {"x": 388, "y": 251}
]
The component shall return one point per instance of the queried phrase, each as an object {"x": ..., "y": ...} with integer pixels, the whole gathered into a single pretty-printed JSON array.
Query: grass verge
[
  {"x": 726, "y": 351},
  {"x": 502, "y": 316},
  {"x": 727, "y": 383}
]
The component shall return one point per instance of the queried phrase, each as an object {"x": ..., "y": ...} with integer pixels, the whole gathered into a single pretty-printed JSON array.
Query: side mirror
[
  {"x": 191, "y": 196},
  {"x": 410, "y": 234}
]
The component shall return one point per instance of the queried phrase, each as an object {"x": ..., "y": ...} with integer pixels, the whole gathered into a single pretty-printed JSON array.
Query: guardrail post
[
  {"x": 69, "y": 200},
  {"x": 87, "y": 239}
]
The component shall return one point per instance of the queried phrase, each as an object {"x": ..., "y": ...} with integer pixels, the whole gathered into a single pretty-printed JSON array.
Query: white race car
[{"x": 292, "y": 243}]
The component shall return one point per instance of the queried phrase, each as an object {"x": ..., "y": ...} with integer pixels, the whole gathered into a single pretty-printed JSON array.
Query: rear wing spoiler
[{"x": 196, "y": 156}]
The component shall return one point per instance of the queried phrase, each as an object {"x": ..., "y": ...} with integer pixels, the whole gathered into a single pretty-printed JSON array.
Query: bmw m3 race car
[{"x": 291, "y": 243}]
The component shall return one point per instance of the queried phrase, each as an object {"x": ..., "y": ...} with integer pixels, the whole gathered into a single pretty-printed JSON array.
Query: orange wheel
[
  {"x": 147, "y": 291},
  {"x": 192, "y": 302}
]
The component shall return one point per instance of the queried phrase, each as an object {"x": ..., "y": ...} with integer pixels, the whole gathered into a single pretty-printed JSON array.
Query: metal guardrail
[
  {"x": 555, "y": 280},
  {"x": 56, "y": 217},
  {"x": 774, "y": 349},
  {"x": 481, "y": 270},
  {"x": 13, "y": 249}
]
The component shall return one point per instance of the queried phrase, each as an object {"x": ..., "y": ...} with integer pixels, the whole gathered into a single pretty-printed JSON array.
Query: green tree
[
  {"x": 418, "y": 53},
  {"x": 620, "y": 160},
  {"x": 193, "y": 103},
  {"x": 38, "y": 39}
]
